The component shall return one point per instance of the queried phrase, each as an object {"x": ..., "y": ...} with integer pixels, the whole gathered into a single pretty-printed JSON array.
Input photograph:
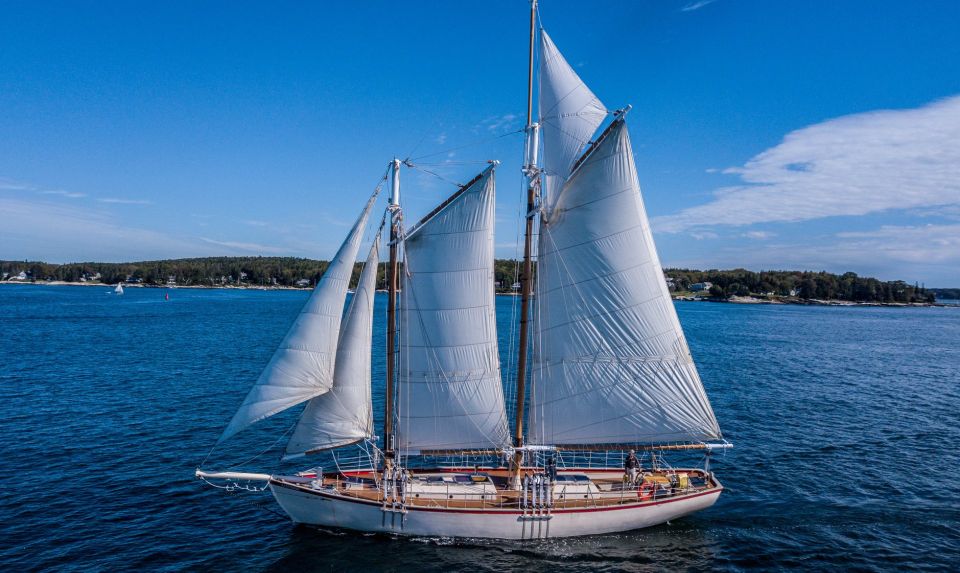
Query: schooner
[{"x": 603, "y": 366}]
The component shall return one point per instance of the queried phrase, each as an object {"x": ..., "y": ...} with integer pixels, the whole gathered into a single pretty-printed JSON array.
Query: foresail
[
  {"x": 569, "y": 115},
  {"x": 611, "y": 364},
  {"x": 449, "y": 391},
  {"x": 344, "y": 415},
  {"x": 303, "y": 365}
]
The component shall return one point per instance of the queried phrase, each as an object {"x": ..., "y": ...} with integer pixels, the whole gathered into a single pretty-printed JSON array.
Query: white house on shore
[{"x": 699, "y": 287}]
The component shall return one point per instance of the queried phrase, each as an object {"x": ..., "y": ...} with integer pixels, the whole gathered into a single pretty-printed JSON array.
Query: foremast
[
  {"x": 395, "y": 214},
  {"x": 531, "y": 174}
]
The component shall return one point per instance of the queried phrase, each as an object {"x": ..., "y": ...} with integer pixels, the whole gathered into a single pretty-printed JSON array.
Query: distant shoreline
[
  {"x": 731, "y": 300},
  {"x": 136, "y": 285},
  {"x": 805, "y": 301}
]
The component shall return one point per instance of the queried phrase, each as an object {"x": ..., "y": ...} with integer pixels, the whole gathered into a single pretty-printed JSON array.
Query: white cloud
[
  {"x": 853, "y": 165},
  {"x": 11, "y": 185},
  {"x": 119, "y": 201},
  {"x": 441, "y": 139},
  {"x": 62, "y": 193},
  {"x": 696, "y": 5},
  {"x": 499, "y": 123},
  {"x": 701, "y": 235},
  {"x": 759, "y": 235}
]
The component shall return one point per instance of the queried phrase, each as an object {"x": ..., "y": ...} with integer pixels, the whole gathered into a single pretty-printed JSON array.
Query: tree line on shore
[
  {"x": 293, "y": 271},
  {"x": 800, "y": 284}
]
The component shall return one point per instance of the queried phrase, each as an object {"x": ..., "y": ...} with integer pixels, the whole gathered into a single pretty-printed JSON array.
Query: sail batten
[
  {"x": 303, "y": 366},
  {"x": 450, "y": 395}
]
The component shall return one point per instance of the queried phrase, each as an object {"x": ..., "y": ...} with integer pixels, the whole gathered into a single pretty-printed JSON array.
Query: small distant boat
[{"x": 118, "y": 289}]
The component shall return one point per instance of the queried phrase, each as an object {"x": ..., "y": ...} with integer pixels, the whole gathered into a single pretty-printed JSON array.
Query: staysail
[
  {"x": 610, "y": 363},
  {"x": 303, "y": 365},
  {"x": 344, "y": 415},
  {"x": 449, "y": 390},
  {"x": 569, "y": 115}
]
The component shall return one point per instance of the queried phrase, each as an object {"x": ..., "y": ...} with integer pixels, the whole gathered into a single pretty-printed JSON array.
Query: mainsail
[
  {"x": 450, "y": 395},
  {"x": 610, "y": 362},
  {"x": 344, "y": 414},
  {"x": 303, "y": 365},
  {"x": 569, "y": 115}
]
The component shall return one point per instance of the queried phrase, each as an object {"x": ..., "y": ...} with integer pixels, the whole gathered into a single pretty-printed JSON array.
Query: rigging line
[
  {"x": 471, "y": 144},
  {"x": 419, "y": 143},
  {"x": 268, "y": 448},
  {"x": 459, "y": 162},
  {"x": 437, "y": 175}
]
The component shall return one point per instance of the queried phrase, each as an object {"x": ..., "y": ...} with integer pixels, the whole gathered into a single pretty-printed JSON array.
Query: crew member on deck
[
  {"x": 630, "y": 465},
  {"x": 551, "y": 468}
]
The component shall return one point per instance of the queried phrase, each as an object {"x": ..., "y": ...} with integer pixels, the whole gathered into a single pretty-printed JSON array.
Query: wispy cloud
[
  {"x": 696, "y": 5},
  {"x": 12, "y": 185},
  {"x": 759, "y": 235},
  {"x": 247, "y": 247},
  {"x": 62, "y": 193},
  {"x": 702, "y": 235},
  {"x": 499, "y": 123},
  {"x": 854, "y": 165},
  {"x": 119, "y": 201},
  {"x": 928, "y": 253},
  {"x": 441, "y": 139},
  {"x": 61, "y": 232},
  {"x": 924, "y": 244}
]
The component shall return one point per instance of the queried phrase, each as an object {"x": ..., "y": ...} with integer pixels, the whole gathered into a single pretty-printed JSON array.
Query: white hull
[{"x": 306, "y": 505}]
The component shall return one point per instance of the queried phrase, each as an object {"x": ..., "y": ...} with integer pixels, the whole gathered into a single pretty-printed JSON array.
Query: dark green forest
[
  {"x": 292, "y": 271},
  {"x": 800, "y": 284}
]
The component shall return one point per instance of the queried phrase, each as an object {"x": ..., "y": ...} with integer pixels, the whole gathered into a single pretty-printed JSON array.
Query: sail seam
[{"x": 568, "y": 247}]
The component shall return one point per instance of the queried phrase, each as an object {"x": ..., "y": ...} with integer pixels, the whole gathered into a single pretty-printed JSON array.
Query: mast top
[{"x": 395, "y": 184}]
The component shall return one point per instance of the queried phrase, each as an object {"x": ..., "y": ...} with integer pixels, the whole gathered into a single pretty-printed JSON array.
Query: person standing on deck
[
  {"x": 551, "y": 468},
  {"x": 630, "y": 465}
]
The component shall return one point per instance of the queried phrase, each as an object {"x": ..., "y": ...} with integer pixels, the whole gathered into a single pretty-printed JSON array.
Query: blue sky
[{"x": 813, "y": 135}]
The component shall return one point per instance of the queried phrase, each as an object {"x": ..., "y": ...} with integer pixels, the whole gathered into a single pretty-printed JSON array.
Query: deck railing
[{"x": 559, "y": 496}]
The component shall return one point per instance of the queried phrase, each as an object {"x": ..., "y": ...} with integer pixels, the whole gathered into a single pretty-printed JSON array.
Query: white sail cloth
[
  {"x": 344, "y": 415},
  {"x": 611, "y": 364},
  {"x": 302, "y": 367},
  {"x": 449, "y": 390},
  {"x": 569, "y": 115}
]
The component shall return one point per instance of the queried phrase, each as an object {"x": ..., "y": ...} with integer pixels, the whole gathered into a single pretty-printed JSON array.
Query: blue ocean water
[{"x": 845, "y": 422}]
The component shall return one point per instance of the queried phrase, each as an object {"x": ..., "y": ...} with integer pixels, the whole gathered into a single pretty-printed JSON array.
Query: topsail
[
  {"x": 569, "y": 115},
  {"x": 303, "y": 365}
]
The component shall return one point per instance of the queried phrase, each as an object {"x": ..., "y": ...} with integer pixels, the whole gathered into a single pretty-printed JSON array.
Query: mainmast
[
  {"x": 395, "y": 216},
  {"x": 531, "y": 173}
]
